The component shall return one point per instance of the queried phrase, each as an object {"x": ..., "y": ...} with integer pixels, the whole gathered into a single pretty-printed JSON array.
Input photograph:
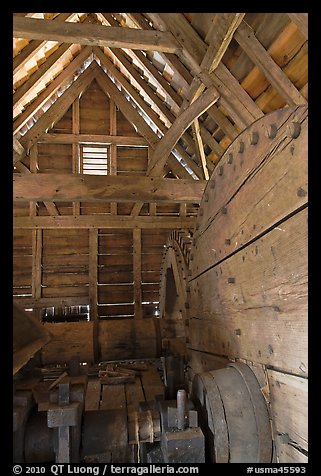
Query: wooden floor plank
[
  {"x": 93, "y": 395},
  {"x": 113, "y": 397}
]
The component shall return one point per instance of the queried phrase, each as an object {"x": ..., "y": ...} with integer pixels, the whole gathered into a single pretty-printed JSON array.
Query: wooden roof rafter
[{"x": 150, "y": 69}]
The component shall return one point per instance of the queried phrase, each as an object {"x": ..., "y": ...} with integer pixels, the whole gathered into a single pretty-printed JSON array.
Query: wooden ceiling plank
[
  {"x": 34, "y": 46},
  {"x": 59, "y": 108},
  {"x": 103, "y": 221},
  {"x": 169, "y": 140},
  {"x": 96, "y": 188},
  {"x": 37, "y": 76},
  {"x": 52, "y": 138},
  {"x": 301, "y": 21},
  {"x": 200, "y": 147},
  {"x": 159, "y": 78},
  {"x": 250, "y": 44},
  {"x": 169, "y": 58},
  {"x": 60, "y": 81},
  {"x": 89, "y": 34},
  {"x": 147, "y": 65}
]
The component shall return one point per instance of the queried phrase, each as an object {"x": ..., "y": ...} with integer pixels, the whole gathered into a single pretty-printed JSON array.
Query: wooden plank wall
[
  {"x": 22, "y": 263},
  {"x": 115, "y": 271}
]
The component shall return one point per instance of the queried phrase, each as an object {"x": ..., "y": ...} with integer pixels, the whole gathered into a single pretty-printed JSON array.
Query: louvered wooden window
[{"x": 95, "y": 160}]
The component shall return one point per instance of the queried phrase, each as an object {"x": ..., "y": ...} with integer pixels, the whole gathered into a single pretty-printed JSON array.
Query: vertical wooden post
[
  {"x": 137, "y": 246},
  {"x": 34, "y": 170},
  {"x": 36, "y": 267},
  {"x": 200, "y": 147},
  {"x": 75, "y": 148},
  {"x": 152, "y": 209},
  {"x": 113, "y": 149},
  {"x": 182, "y": 209},
  {"x": 93, "y": 294}
]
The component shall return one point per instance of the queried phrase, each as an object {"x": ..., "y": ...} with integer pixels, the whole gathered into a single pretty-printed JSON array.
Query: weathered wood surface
[
  {"x": 127, "y": 339},
  {"x": 289, "y": 454},
  {"x": 257, "y": 189},
  {"x": 69, "y": 339},
  {"x": 104, "y": 221},
  {"x": 113, "y": 397},
  {"x": 301, "y": 20},
  {"x": 279, "y": 80},
  {"x": 152, "y": 384},
  {"x": 168, "y": 141},
  {"x": 52, "y": 138},
  {"x": 92, "y": 399},
  {"x": 289, "y": 407},
  {"x": 59, "y": 82},
  {"x": 79, "y": 187},
  {"x": 134, "y": 395},
  {"x": 52, "y": 302},
  {"x": 58, "y": 109},
  {"x": 86, "y": 34},
  {"x": 245, "y": 306},
  {"x": 28, "y": 337}
]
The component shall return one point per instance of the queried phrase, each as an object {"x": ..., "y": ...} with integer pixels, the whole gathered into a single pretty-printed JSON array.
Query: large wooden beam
[
  {"x": 200, "y": 147},
  {"x": 38, "y": 303},
  {"x": 51, "y": 138},
  {"x": 87, "y": 34},
  {"x": 301, "y": 21},
  {"x": 171, "y": 137},
  {"x": 235, "y": 100},
  {"x": 255, "y": 50},
  {"x": 219, "y": 37},
  {"x": 18, "y": 150},
  {"x": 23, "y": 169},
  {"x": 104, "y": 221},
  {"x": 97, "y": 188}
]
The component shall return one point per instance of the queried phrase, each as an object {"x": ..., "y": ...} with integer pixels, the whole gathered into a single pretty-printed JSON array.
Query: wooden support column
[
  {"x": 75, "y": 148},
  {"x": 36, "y": 267},
  {"x": 152, "y": 209},
  {"x": 137, "y": 241},
  {"x": 93, "y": 293},
  {"x": 113, "y": 149},
  {"x": 200, "y": 147},
  {"x": 182, "y": 209},
  {"x": 34, "y": 170}
]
